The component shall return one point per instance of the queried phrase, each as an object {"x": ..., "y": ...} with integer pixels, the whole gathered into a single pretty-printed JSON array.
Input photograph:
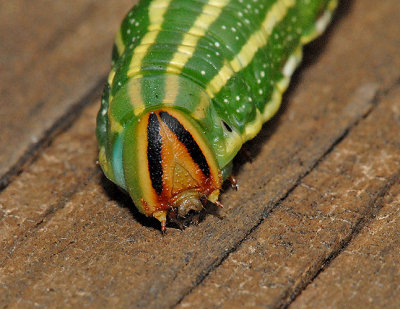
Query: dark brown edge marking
[
  {"x": 154, "y": 157},
  {"x": 187, "y": 140}
]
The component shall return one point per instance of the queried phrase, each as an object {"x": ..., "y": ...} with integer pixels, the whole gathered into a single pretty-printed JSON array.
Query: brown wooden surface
[
  {"x": 53, "y": 56},
  {"x": 314, "y": 224}
]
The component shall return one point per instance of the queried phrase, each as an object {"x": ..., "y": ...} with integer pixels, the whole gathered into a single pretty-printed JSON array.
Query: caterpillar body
[{"x": 191, "y": 81}]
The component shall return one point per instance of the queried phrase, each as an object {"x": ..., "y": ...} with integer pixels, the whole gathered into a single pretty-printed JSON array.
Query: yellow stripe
[
  {"x": 257, "y": 40},
  {"x": 104, "y": 163},
  {"x": 115, "y": 126},
  {"x": 111, "y": 77},
  {"x": 119, "y": 43},
  {"x": 273, "y": 104},
  {"x": 135, "y": 96},
  {"x": 171, "y": 89},
  {"x": 144, "y": 180},
  {"x": 253, "y": 127},
  {"x": 157, "y": 10},
  {"x": 189, "y": 42},
  {"x": 136, "y": 99},
  {"x": 321, "y": 23},
  {"x": 200, "y": 112}
]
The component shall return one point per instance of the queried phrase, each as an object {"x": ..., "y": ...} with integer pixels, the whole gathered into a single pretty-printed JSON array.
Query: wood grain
[
  {"x": 313, "y": 225},
  {"x": 57, "y": 53},
  {"x": 366, "y": 273},
  {"x": 318, "y": 173}
]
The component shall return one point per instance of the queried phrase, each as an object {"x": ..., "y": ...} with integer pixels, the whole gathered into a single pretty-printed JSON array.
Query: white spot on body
[{"x": 290, "y": 66}]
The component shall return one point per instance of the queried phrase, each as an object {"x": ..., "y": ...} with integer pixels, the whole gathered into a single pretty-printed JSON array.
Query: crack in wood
[
  {"x": 375, "y": 206},
  {"x": 375, "y": 101},
  {"x": 60, "y": 125},
  {"x": 46, "y": 217}
]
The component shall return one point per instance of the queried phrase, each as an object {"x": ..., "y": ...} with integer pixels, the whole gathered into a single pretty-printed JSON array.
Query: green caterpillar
[{"x": 191, "y": 81}]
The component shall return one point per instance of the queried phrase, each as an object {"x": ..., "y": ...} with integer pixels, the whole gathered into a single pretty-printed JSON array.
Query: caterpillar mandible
[{"x": 191, "y": 81}]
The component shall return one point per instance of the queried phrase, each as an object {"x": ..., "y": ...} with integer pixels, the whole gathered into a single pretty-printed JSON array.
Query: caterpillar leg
[
  {"x": 233, "y": 182},
  {"x": 162, "y": 217}
]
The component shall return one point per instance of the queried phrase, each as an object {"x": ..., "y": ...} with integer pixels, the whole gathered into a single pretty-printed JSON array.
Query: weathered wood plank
[
  {"x": 366, "y": 274},
  {"x": 47, "y": 184},
  {"x": 88, "y": 247},
  {"x": 313, "y": 224},
  {"x": 29, "y": 40},
  {"x": 55, "y": 53}
]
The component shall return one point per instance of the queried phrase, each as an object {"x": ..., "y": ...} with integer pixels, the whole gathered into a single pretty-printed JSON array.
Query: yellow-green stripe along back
[{"x": 191, "y": 81}]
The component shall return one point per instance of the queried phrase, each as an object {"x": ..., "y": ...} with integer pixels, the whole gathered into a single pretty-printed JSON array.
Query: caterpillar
[{"x": 191, "y": 81}]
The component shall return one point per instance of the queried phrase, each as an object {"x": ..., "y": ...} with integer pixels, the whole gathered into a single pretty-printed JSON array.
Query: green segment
[
  {"x": 131, "y": 162},
  {"x": 252, "y": 88},
  {"x": 178, "y": 20},
  {"x": 225, "y": 118},
  {"x": 224, "y": 38},
  {"x": 133, "y": 28}
]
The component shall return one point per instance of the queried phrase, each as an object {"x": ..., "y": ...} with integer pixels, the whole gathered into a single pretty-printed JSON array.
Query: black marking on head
[
  {"x": 154, "y": 153},
  {"x": 187, "y": 140}
]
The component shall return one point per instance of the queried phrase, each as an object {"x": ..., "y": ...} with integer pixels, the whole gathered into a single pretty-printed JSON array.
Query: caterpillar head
[{"x": 169, "y": 168}]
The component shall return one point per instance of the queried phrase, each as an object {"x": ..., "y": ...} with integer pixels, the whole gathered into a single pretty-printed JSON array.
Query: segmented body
[{"x": 222, "y": 63}]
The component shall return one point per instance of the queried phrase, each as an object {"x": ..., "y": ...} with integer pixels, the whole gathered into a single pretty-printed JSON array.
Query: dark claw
[{"x": 233, "y": 182}]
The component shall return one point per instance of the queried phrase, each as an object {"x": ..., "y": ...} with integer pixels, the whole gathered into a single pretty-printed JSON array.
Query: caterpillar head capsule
[{"x": 168, "y": 165}]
